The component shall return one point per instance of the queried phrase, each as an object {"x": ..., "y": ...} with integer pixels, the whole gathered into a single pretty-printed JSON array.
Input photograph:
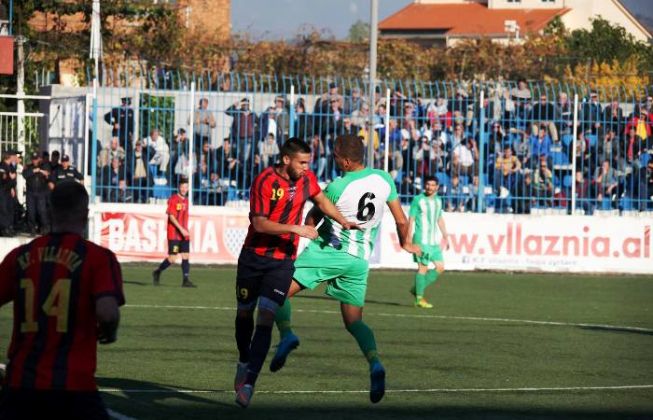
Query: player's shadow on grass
[
  {"x": 141, "y": 393},
  {"x": 378, "y": 302},
  {"x": 608, "y": 328},
  {"x": 138, "y": 283}
]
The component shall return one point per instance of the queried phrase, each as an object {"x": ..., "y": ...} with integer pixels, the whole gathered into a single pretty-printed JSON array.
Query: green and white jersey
[
  {"x": 360, "y": 197},
  {"x": 426, "y": 211}
]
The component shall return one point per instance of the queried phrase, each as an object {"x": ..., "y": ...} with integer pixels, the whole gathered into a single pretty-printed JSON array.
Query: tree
[{"x": 359, "y": 31}]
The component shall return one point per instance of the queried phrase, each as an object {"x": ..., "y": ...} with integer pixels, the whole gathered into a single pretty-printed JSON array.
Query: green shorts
[
  {"x": 430, "y": 253},
  {"x": 344, "y": 274}
]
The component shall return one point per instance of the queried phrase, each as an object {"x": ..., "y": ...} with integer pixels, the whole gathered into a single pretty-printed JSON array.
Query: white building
[{"x": 445, "y": 22}]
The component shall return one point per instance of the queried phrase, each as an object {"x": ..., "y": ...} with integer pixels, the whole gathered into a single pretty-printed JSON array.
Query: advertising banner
[{"x": 477, "y": 241}]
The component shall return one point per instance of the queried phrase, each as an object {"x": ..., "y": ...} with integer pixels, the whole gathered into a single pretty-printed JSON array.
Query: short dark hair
[
  {"x": 292, "y": 146},
  {"x": 183, "y": 180},
  {"x": 351, "y": 147},
  {"x": 68, "y": 201},
  {"x": 429, "y": 178}
]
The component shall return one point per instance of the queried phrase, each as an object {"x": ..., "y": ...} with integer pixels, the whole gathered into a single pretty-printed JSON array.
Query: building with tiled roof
[{"x": 446, "y": 22}]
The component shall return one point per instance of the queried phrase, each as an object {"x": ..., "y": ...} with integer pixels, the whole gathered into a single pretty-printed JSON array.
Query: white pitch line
[
  {"x": 423, "y": 316},
  {"x": 118, "y": 416},
  {"x": 388, "y": 391}
]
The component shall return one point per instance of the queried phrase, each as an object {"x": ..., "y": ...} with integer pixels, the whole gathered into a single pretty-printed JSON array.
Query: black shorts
[
  {"x": 262, "y": 276},
  {"x": 178, "y": 247},
  {"x": 31, "y": 404}
]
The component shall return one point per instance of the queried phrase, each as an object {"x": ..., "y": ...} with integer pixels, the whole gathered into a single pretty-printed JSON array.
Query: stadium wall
[{"x": 548, "y": 243}]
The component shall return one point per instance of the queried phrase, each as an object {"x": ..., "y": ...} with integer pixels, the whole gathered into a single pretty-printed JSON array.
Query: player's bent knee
[
  {"x": 267, "y": 310},
  {"x": 439, "y": 267}
]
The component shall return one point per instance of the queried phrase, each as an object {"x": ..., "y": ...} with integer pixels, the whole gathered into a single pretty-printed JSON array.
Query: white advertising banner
[{"x": 477, "y": 241}]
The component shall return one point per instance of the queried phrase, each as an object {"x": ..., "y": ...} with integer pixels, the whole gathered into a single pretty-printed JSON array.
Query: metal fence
[{"x": 495, "y": 146}]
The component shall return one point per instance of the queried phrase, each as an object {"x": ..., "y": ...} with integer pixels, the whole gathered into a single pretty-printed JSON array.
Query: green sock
[
  {"x": 282, "y": 319},
  {"x": 420, "y": 284},
  {"x": 365, "y": 339},
  {"x": 431, "y": 277}
]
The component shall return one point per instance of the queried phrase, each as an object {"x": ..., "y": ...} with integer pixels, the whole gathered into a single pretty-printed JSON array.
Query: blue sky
[{"x": 274, "y": 19}]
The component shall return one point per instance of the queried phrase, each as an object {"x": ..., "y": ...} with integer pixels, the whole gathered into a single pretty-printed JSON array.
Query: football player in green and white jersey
[
  {"x": 425, "y": 220},
  {"x": 339, "y": 257}
]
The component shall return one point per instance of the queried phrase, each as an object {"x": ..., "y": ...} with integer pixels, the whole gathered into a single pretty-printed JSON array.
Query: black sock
[
  {"x": 244, "y": 329},
  {"x": 258, "y": 350},
  {"x": 164, "y": 264},
  {"x": 185, "y": 268}
]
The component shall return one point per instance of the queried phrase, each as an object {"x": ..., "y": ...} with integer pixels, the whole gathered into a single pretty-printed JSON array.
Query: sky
[{"x": 276, "y": 19}]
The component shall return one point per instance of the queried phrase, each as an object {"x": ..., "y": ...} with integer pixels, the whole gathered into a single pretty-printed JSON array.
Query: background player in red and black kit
[
  {"x": 66, "y": 293},
  {"x": 178, "y": 235},
  {"x": 265, "y": 265}
]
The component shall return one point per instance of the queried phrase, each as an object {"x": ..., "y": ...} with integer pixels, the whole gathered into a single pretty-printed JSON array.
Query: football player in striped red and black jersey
[
  {"x": 178, "y": 235},
  {"x": 265, "y": 265},
  {"x": 66, "y": 293}
]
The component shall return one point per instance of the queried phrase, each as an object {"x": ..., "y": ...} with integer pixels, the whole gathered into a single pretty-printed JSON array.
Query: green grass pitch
[{"x": 477, "y": 354}]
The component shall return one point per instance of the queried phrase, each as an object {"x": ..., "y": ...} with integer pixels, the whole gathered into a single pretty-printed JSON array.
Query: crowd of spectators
[{"x": 513, "y": 151}]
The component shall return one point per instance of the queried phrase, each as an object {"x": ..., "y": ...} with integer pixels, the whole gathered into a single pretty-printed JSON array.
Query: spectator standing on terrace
[
  {"x": 583, "y": 194},
  {"x": 322, "y": 104},
  {"x": 564, "y": 114},
  {"x": 36, "y": 176},
  {"x": 139, "y": 174},
  {"x": 268, "y": 151},
  {"x": 161, "y": 151},
  {"x": 638, "y": 133},
  {"x": 7, "y": 193},
  {"x": 303, "y": 121},
  {"x": 457, "y": 195},
  {"x": 507, "y": 169},
  {"x": 605, "y": 181},
  {"x": 523, "y": 194},
  {"x": 204, "y": 122},
  {"x": 353, "y": 102},
  {"x": 268, "y": 124},
  {"x": 229, "y": 166},
  {"x": 180, "y": 156},
  {"x": 467, "y": 154},
  {"x": 543, "y": 182},
  {"x": 540, "y": 145},
  {"x": 610, "y": 147},
  {"x": 114, "y": 150},
  {"x": 543, "y": 113},
  {"x": 521, "y": 96},
  {"x": 613, "y": 117},
  {"x": 121, "y": 120},
  {"x": 114, "y": 182},
  {"x": 591, "y": 114},
  {"x": 282, "y": 117},
  {"x": 360, "y": 116},
  {"x": 243, "y": 130}
]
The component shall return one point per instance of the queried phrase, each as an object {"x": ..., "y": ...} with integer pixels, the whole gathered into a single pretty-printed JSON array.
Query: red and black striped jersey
[
  {"x": 178, "y": 207},
  {"x": 281, "y": 201},
  {"x": 54, "y": 282}
]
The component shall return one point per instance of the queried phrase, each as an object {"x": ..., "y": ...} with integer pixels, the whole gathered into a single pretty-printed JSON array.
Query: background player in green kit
[
  {"x": 339, "y": 257},
  {"x": 425, "y": 219}
]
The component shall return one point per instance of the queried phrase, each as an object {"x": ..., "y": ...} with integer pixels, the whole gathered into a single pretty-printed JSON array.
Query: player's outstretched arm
[
  {"x": 403, "y": 227},
  {"x": 444, "y": 244},
  {"x": 313, "y": 217},
  {"x": 328, "y": 208},
  {"x": 108, "y": 316},
  {"x": 262, "y": 224}
]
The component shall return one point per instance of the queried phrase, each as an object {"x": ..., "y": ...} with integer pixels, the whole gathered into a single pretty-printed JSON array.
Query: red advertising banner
[{"x": 215, "y": 238}]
